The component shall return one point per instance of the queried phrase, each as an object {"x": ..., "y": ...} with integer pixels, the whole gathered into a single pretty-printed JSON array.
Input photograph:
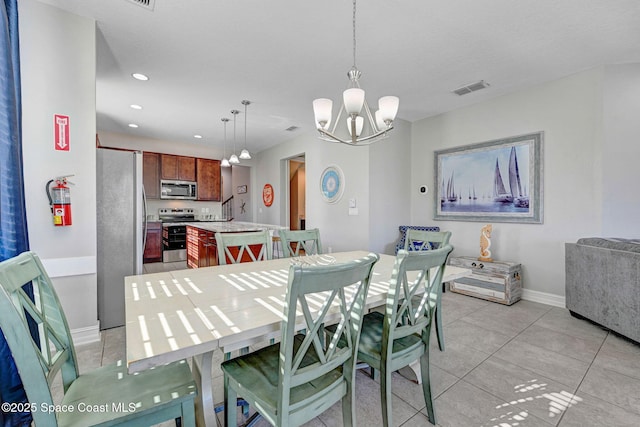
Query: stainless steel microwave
[{"x": 184, "y": 190}]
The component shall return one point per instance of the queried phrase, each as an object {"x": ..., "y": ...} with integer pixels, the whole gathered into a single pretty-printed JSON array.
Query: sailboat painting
[{"x": 497, "y": 181}]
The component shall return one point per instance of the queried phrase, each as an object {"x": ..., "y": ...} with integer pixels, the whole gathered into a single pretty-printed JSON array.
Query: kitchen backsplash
[{"x": 212, "y": 209}]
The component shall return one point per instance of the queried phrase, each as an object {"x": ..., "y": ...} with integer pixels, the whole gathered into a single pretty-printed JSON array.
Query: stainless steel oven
[{"x": 174, "y": 233}]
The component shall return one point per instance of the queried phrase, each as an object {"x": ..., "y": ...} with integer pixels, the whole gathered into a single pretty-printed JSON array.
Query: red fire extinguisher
[{"x": 60, "y": 200}]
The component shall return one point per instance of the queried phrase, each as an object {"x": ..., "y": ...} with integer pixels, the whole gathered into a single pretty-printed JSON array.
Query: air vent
[
  {"x": 147, "y": 4},
  {"x": 291, "y": 128},
  {"x": 471, "y": 87}
]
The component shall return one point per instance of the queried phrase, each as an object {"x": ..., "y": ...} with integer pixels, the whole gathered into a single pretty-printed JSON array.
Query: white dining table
[{"x": 179, "y": 314}]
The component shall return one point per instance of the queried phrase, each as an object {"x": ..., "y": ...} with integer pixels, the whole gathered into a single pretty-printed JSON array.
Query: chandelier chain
[{"x": 354, "y": 33}]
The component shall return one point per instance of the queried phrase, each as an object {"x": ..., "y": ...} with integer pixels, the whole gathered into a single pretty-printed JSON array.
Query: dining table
[{"x": 193, "y": 313}]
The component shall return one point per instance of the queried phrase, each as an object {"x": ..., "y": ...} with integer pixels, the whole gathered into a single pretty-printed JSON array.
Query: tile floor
[{"x": 525, "y": 365}]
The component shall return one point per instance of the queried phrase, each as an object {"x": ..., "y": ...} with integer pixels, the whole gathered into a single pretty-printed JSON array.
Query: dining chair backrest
[
  {"x": 420, "y": 240},
  {"x": 403, "y": 316},
  {"x": 323, "y": 294},
  {"x": 161, "y": 394},
  {"x": 301, "y": 242},
  {"x": 52, "y": 349},
  {"x": 234, "y": 248}
]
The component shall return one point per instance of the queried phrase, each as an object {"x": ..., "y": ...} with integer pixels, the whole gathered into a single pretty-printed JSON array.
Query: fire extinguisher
[{"x": 60, "y": 200}]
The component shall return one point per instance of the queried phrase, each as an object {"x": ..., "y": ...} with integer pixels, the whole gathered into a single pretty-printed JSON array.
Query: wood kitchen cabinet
[
  {"x": 209, "y": 180},
  {"x": 180, "y": 168},
  {"x": 153, "y": 246},
  {"x": 151, "y": 174},
  {"x": 201, "y": 248}
]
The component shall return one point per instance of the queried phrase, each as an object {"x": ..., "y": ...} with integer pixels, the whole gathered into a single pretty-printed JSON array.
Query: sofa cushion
[{"x": 629, "y": 245}]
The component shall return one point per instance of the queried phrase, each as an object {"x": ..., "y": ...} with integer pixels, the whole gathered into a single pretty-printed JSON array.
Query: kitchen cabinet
[
  {"x": 153, "y": 246},
  {"x": 201, "y": 248},
  {"x": 209, "y": 180},
  {"x": 179, "y": 168},
  {"x": 151, "y": 174}
]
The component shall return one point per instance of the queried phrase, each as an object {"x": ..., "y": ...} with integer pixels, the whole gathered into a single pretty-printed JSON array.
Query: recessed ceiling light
[
  {"x": 133, "y": 125},
  {"x": 197, "y": 136},
  {"x": 140, "y": 76},
  {"x": 136, "y": 106}
]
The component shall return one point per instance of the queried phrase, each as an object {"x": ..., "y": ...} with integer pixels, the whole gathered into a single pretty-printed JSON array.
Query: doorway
[{"x": 297, "y": 193}]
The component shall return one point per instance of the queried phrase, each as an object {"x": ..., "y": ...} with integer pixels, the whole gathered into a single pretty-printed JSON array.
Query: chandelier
[{"x": 353, "y": 103}]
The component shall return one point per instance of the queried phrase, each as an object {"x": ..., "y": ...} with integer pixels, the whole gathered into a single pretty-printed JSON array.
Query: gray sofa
[{"x": 603, "y": 283}]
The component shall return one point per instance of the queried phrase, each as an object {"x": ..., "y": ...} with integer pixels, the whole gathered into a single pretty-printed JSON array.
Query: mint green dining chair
[
  {"x": 398, "y": 337},
  {"x": 301, "y": 242},
  {"x": 292, "y": 382},
  {"x": 250, "y": 246},
  {"x": 104, "y": 396},
  {"x": 419, "y": 240}
]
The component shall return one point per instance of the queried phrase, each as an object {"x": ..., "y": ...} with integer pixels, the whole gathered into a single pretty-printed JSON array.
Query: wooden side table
[{"x": 497, "y": 281}]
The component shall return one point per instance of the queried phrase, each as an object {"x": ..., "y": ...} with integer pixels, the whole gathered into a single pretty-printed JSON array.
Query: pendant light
[
  {"x": 234, "y": 159},
  {"x": 225, "y": 162},
  {"x": 353, "y": 103},
  {"x": 244, "y": 154}
]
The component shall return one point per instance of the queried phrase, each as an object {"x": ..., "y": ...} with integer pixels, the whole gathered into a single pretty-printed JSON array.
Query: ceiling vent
[
  {"x": 471, "y": 87},
  {"x": 291, "y": 128},
  {"x": 147, "y": 4}
]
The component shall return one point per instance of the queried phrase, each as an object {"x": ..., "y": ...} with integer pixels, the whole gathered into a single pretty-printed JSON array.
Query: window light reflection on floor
[{"x": 558, "y": 403}]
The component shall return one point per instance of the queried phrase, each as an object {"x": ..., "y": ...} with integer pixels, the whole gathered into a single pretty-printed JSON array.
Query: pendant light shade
[
  {"x": 353, "y": 100},
  {"x": 322, "y": 111},
  {"x": 244, "y": 154},
  {"x": 225, "y": 162},
  {"x": 234, "y": 159}
]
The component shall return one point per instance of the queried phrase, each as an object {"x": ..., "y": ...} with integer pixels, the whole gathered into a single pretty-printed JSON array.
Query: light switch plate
[{"x": 352, "y": 203}]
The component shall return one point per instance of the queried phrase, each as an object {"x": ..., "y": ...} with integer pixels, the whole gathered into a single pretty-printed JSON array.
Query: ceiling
[{"x": 204, "y": 57}]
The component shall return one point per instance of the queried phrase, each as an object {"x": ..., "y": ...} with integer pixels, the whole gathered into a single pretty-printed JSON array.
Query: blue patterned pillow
[{"x": 403, "y": 233}]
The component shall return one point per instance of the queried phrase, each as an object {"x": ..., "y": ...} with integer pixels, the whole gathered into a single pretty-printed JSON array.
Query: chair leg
[
  {"x": 230, "y": 395},
  {"x": 385, "y": 396},
  {"x": 426, "y": 386},
  {"x": 439, "y": 330},
  {"x": 348, "y": 403},
  {"x": 188, "y": 415}
]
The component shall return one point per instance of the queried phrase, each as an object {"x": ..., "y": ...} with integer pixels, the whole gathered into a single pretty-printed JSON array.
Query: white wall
[
  {"x": 241, "y": 175},
  {"x": 376, "y": 176},
  {"x": 57, "y": 52},
  {"x": 569, "y": 111},
  {"x": 621, "y": 153}
]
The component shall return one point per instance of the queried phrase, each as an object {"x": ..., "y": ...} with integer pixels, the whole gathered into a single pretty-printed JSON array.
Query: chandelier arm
[
  {"x": 330, "y": 137},
  {"x": 372, "y": 122},
  {"x": 335, "y": 123}
]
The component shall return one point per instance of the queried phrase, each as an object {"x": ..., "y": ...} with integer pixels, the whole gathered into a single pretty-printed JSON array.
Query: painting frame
[
  {"x": 484, "y": 190},
  {"x": 332, "y": 184},
  {"x": 242, "y": 189}
]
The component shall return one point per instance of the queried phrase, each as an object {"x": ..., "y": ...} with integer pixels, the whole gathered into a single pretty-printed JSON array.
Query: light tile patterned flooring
[{"x": 525, "y": 365}]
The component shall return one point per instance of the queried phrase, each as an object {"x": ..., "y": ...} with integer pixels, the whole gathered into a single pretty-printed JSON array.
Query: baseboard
[
  {"x": 86, "y": 335},
  {"x": 544, "y": 298}
]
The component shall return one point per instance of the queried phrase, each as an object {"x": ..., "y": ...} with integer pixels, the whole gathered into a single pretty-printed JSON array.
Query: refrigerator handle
[{"x": 144, "y": 220}]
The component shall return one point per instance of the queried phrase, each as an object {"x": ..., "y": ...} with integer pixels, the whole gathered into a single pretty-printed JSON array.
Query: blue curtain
[{"x": 13, "y": 220}]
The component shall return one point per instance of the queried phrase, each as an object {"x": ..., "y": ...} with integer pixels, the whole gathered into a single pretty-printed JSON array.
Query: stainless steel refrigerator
[{"x": 121, "y": 217}]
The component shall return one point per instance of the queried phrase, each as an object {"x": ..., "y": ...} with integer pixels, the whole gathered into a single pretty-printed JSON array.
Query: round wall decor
[
  {"x": 332, "y": 184},
  {"x": 267, "y": 195}
]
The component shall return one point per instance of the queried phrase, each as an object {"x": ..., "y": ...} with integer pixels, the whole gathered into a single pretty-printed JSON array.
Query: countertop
[{"x": 233, "y": 226}]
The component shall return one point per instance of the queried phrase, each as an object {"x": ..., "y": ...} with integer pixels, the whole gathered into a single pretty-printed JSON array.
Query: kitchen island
[{"x": 202, "y": 250}]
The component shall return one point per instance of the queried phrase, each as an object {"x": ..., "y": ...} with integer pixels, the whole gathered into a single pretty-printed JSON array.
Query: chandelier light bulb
[
  {"x": 225, "y": 163},
  {"x": 322, "y": 111},
  {"x": 388, "y": 106},
  {"x": 244, "y": 154},
  {"x": 234, "y": 159},
  {"x": 353, "y": 100},
  {"x": 359, "y": 125}
]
